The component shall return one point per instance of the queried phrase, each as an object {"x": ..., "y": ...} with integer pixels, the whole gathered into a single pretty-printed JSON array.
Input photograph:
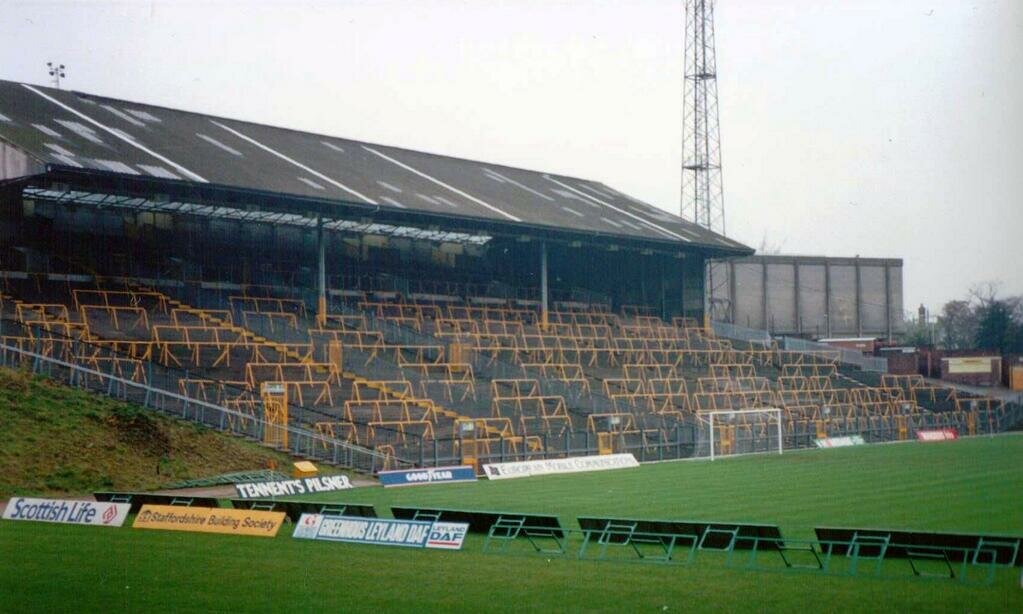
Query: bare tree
[
  {"x": 985, "y": 293},
  {"x": 768, "y": 249},
  {"x": 958, "y": 324},
  {"x": 981, "y": 320}
]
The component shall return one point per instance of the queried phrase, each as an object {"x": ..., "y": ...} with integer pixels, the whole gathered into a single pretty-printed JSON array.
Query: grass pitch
[
  {"x": 966, "y": 485},
  {"x": 969, "y": 485}
]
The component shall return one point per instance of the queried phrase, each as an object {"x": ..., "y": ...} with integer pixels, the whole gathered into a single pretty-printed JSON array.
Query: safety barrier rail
[
  {"x": 851, "y": 357},
  {"x": 301, "y": 442}
]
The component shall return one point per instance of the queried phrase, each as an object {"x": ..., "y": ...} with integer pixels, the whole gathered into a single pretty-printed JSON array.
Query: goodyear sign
[
  {"x": 382, "y": 531},
  {"x": 411, "y": 477},
  {"x": 67, "y": 512},
  {"x": 209, "y": 520},
  {"x": 286, "y": 488}
]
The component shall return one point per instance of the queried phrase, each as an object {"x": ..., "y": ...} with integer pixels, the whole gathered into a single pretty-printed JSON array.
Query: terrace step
[{"x": 292, "y": 354}]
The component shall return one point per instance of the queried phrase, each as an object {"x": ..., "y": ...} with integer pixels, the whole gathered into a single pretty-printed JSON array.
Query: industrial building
[{"x": 809, "y": 296}]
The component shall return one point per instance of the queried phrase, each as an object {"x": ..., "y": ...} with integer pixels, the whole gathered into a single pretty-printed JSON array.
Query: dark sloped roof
[{"x": 70, "y": 129}]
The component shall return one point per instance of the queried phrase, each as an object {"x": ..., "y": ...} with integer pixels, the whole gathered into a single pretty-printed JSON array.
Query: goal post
[{"x": 724, "y": 421}]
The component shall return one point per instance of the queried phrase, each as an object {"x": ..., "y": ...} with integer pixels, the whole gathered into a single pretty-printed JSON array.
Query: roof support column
[
  {"x": 708, "y": 297},
  {"x": 543, "y": 284},
  {"x": 321, "y": 277},
  {"x": 682, "y": 283},
  {"x": 662, "y": 274}
]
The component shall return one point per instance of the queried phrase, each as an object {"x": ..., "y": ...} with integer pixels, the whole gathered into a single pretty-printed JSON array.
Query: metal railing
[
  {"x": 755, "y": 335},
  {"x": 850, "y": 357},
  {"x": 741, "y": 333},
  {"x": 300, "y": 442},
  {"x": 984, "y": 564}
]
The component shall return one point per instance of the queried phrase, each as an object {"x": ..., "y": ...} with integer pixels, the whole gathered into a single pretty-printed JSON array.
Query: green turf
[
  {"x": 966, "y": 485},
  {"x": 970, "y": 485}
]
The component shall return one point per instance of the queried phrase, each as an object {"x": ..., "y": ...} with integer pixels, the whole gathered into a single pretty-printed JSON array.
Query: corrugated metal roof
[{"x": 70, "y": 129}]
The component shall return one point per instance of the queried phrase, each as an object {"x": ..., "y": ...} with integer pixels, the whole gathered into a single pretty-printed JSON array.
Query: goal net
[{"x": 739, "y": 431}]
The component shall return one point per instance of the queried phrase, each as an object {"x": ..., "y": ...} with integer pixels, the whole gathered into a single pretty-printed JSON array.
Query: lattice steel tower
[{"x": 702, "y": 192}]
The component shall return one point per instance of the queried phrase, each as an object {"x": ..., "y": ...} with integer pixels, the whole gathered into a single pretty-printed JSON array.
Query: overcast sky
[{"x": 877, "y": 128}]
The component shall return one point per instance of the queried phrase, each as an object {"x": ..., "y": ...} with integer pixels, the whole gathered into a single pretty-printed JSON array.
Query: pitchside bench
[
  {"x": 920, "y": 547},
  {"x": 666, "y": 535},
  {"x": 138, "y": 499},
  {"x": 544, "y": 533},
  {"x": 295, "y": 509}
]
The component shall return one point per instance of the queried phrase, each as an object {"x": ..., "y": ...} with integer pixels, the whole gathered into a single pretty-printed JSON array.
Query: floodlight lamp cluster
[{"x": 56, "y": 72}]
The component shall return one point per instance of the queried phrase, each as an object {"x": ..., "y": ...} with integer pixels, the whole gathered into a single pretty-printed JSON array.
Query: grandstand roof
[{"x": 66, "y": 130}]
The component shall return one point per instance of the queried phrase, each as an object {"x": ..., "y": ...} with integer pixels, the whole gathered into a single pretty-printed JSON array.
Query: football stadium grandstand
[{"x": 376, "y": 307}]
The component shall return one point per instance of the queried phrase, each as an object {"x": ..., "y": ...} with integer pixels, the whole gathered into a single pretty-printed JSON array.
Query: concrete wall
[
  {"x": 15, "y": 163},
  {"x": 809, "y": 296}
]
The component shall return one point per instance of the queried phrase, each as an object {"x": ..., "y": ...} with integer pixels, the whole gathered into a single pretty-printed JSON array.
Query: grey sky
[{"x": 876, "y": 128}]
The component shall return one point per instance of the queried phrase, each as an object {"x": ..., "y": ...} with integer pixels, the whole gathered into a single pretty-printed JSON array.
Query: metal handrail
[{"x": 295, "y": 433}]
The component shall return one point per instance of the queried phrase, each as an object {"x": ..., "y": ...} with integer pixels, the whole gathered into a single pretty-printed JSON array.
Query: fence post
[
  {"x": 185, "y": 407},
  {"x": 36, "y": 363},
  {"x": 149, "y": 384},
  {"x": 110, "y": 379},
  {"x": 72, "y": 372}
]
